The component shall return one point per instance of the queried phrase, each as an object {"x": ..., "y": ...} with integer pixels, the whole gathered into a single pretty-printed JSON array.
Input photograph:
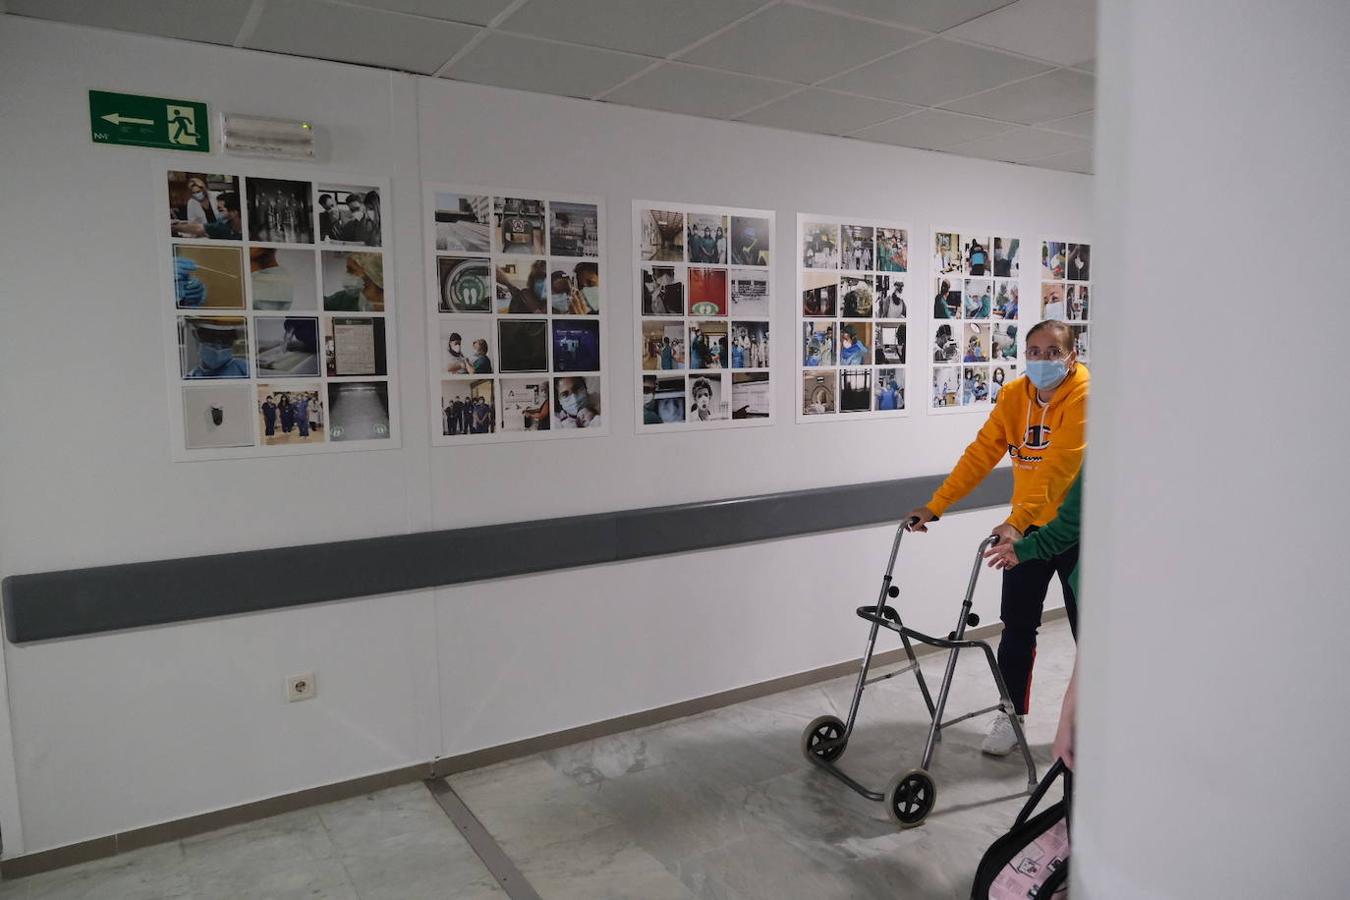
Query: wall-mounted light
[{"x": 274, "y": 138}]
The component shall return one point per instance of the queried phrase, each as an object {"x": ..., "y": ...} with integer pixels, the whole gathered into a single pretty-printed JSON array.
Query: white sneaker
[{"x": 1001, "y": 738}]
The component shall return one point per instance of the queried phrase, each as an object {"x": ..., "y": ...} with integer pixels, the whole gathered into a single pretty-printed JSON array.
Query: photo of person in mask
[
  {"x": 576, "y": 404},
  {"x": 217, "y": 342}
]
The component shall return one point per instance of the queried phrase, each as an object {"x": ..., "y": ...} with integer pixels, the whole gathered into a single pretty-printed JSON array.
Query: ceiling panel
[
  {"x": 1073, "y": 161},
  {"x": 825, "y": 112},
  {"x": 358, "y": 35},
  {"x": 1051, "y": 96},
  {"x": 476, "y": 12},
  {"x": 1062, "y": 31},
  {"x": 932, "y": 15},
  {"x": 1022, "y": 145},
  {"x": 217, "y": 22},
  {"x": 698, "y": 92},
  {"x": 652, "y": 27},
  {"x": 545, "y": 66},
  {"x": 935, "y": 72},
  {"x": 799, "y": 44},
  {"x": 931, "y": 130},
  {"x": 1082, "y": 124}
]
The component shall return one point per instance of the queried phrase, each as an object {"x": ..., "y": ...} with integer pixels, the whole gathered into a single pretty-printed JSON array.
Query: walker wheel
[
  {"x": 820, "y": 731},
  {"x": 910, "y": 797}
]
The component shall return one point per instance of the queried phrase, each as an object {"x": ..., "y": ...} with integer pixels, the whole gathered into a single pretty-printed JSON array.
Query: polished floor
[{"x": 719, "y": 806}]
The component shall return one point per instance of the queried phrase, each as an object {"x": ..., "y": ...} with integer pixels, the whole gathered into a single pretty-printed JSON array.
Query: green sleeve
[{"x": 1062, "y": 531}]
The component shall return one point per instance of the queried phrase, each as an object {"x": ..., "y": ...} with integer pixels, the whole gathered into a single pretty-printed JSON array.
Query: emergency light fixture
[{"x": 274, "y": 138}]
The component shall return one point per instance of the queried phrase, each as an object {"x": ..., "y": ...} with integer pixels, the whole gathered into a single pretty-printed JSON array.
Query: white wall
[
  {"x": 1214, "y": 694},
  {"x": 124, "y": 730}
]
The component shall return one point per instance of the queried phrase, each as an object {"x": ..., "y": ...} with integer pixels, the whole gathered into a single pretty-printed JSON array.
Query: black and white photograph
[
  {"x": 203, "y": 205},
  {"x": 944, "y": 346},
  {"x": 891, "y": 301},
  {"x": 522, "y": 345},
  {"x": 1076, "y": 302},
  {"x": 820, "y": 245},
  {"x": 288, "y": 346},
  {"x": 663, "y": 344},
  {"x": 206, "y": 277},
  {"x": 890, "y": 390},
  {"x": 466, "y": 284},
  {"x": 353, "y": 280},
  {"x": 662, "y": 291},
  {"x": 574, "y": 288},
  {"x": 465, "y": 346},
  {"x": 706, "y": 401},
  {"x": 975, "y": 342},
  {"x": 349, "y": 215},
  {"x": 1005, "y": 342},
  {"x": 979, "y": 298},
  {"x": 280, "y": 212},
  {"x": 282, "y": 280},
  {"x": 820, "y": 390},
  {"x": 976, "y": 252},
  {"x": 856, "y": 296},
  {"x": 217, "y": 415},
  {"x": 859, "y": 251},
  {"x": 750, "y": 395},
  {"x": 749, "y": 345},
  {"x": 947, "y": 299},
  {"x": 892, "y": 250},
  {"x": 662, "y": 235},
  {"x": 522, "y": 287},
  {"x": 818, "y": 342},
  {"x": 468, "y": 407},
  {"x": 663, "y": 400},
  {"x": 974, "y": 385},
  {"x": 1007, "y": 257},
  {"x": 708, "y": 345},
  {"x": 749, "y": 293},
  {"x": 462, "y": 223},
  {"x": 577, "y": 402},
  {"x": 354, "y": 346},
  {"x": 855, "y": 343},
  {"x": 358, "y": 411},
  {"x": 855, "y": 390},
  {"x": 707, "y": 238},
  {"x": 890, "y": 344},
  {"x": 998, "y": 377},
  {"x": 1078, "y": 264},
  {"x": 518, "y": 226},
  {"x": 290, "y": 413},
  {"x": 820, "y": 293},
  {"x": 948, "y": 258},
  {"x": 749, "y": 241},
  {"x": 576, "y": 345},
  {"x": 946, "y": 386},
  {"x": 213, "y": 347},
  {"x": 573, "y": 229},
  {"x": 525, "y": 404},
  {"x": 1005, "y": 299}
]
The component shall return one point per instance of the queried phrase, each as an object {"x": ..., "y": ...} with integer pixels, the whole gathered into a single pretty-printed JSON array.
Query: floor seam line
[{"x": 494, "y": 858}]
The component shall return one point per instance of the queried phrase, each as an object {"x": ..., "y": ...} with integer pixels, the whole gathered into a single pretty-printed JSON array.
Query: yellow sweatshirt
[{"x": 1045, "y": 442}]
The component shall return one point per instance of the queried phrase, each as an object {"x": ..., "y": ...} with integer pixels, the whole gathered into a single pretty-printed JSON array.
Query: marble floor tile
[
  {"x": 151, "y": 873},
  {"x": 432, "y": 864}
]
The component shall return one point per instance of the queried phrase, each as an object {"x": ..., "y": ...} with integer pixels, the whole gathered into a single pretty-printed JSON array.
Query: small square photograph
[
  {"x": 462, "y": 223},
  {"x": 1005, "y": 299},
  {"x": 467, "y": 407},
  {"x": 522, "y": 346},
  {"x": 213, "y": 347},
  {"x": 663, "y": 345},
  {"x": 855, "y": 390},
  {"x": 279, "y": 211},
  {"x": 820, "y": 293},
  {"x": 466, "y": 346},
  {"x": 819, "y": 390},
  {"x": 890, "y": 344},
  {"x": 466, "y": 284},
  {"x": 708, "y": 291},
  {"x": 1005, "y": 341},
  {"x": 353, "y": 280},
  {"x": 525, "y": 404},
  {"x": 945, "y": 349},
  {"x": 891, "y": 302},
  {"x": 209, "y": 277},
  {"x": 518, "y": 226},
  {"x": 750, "y": 395},
  {"x": 662, "y": 291},
  {"x": 974, "y": 385},
  {"x": 576, "y": 403},
  {"x": 574, "y": 288},
  {"x": 855, "y": 343},
  {"x": 708, "y": 345},
  {"x": 1000, "y": 376},
  {"x": 749, "y": 241},
  {"x": 288, "y": 346},
  {"x": 818, "y": 342},
  {"x": 1080, "y": 341},
  {"x": 947, "y": 299},
  {"x": 1076, "y": 302},
  {"x": 707, "y": 238},
  {"x": 947, "y": 253},
  {"x": 349, "y": 215},
  {"x": 662, "y": 235},
  {"x": 576, "y": 345},
  {"x": 217, "y": 416},
  {"x": 573, "y": 229},
  {"x": 979, "y": 298},
  {"x": 1007, "y": 258},
  {"x": 354, "y": 346},
  {"x": 946, "y": 386},
  {"x": 291, "y": 413},
  {"x": 1078, "y": 264},
  {"x": 976, "y": 343},
  {"x": 662, "y": 400},
  {"x": 750, "y": 345},
  {"x": 857, "y": 296},
  {"x": 358, "y": 411},
  {"x": 820, "y": 245},
  {"x": 282, "y": 280},
  {"x": 890, "y": 391},
  {"x": 1053, "y": 303},
  {"x": 749, "y": 293},
  {"x": 1052, "y": 261},
  {"x": 522, "y": 287},
  {"x": 706, "y": 401},
  {"x": 859, "y": 248},
  {"x": 892, "y": 250},
  {"x": 203, "y": 205},
  {"x": 976, "y": 250}
]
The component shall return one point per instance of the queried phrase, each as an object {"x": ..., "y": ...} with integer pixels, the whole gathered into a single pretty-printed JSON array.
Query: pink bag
[{"x": 1031, "y": 861}]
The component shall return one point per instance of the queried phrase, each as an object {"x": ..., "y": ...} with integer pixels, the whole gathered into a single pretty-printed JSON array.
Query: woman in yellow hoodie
[{"x": 1040, "y": 422}]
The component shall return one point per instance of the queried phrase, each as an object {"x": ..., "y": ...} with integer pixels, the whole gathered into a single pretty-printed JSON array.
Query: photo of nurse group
[
  {"x": 516, "y": 315},
  {"x": 1066, "y": 288},
  {"x": 974, "y": 331},
  {"x": 703, "y": 291},
  {"x": 853, "y": 313},
  {"x": 269, "y": 280}
]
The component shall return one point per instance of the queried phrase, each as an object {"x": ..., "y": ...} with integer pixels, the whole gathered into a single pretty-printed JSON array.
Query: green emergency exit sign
[{"x": 137, "y": 121}]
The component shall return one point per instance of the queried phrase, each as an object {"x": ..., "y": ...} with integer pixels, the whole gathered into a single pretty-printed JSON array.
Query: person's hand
[
  {"x": 1006, "y": 534},
  {"x": 923, "y": 514},
  {"x": 579, "y": 306},
  {"x": 585, "y": 415},
  {"x": 190, "y": 289},
  {"x": 1002, "y": 555}
]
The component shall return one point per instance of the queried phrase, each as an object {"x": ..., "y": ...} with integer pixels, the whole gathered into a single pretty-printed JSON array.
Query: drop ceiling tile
[
  {"x": 1074, "y": 161},
  {"x": 1083, "y": 124},
  {"x": 931, "y": 15},
  {"x": 1051, "y": 96},
  {"x": 1022, "y": 145},
  {"x": 799, "y": 44},
  {"x": 475, "y": 12},
  {"x": 698, "y": 92},
  {"x": 356, "y": 35},
  {"x": 545, "y": 66},
  {"x": 935, "y": 72},
  {"x": 213, "y": 23},
  {"x": 826, "y": 112},
  {"x": 650, "y": 27},
  {"x": 931, "y": 130},
  {"x": 1061, "y": 31}
]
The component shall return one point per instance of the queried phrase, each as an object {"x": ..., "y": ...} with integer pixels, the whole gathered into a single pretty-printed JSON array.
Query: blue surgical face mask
[
  {"x": 214, "y": 357},
  {"x": 592, "y": 295},
  {"x": 1046, "y": 374},
  {"x": 540, "y": 288},
  {"x": 573, "y": 402}
]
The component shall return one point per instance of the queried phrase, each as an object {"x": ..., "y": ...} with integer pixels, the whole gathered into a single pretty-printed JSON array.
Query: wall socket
[{"x": 301, "y": 687}]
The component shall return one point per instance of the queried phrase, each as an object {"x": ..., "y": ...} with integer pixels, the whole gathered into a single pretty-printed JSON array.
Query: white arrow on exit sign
[{"x": 117, "y": 119}]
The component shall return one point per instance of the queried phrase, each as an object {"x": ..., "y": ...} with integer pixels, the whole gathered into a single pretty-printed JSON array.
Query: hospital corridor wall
[{"x": 123, "y": 730}]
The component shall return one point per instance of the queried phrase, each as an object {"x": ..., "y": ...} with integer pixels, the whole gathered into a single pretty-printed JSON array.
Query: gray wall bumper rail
[{"x": 74, "y": 602}]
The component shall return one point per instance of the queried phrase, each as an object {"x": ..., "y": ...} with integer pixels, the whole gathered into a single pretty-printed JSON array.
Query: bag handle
[{"x": 1058, "y": 770}]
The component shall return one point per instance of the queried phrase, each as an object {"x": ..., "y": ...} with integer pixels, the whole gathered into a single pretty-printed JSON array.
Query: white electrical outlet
[{"x": 301, "y": 687}]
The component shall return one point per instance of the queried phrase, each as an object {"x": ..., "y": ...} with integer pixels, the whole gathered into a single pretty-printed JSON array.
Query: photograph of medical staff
[
  {"x": 974, "y": 385},
  {"x": 662, "y": 344},
  {"x": 467, "y": 407},
  {"x": 820, "y": 245},
  {"x": 213, "y": 347},
  {"x": 859, "y": 250},
  {"x": 750, "y": 395},
  {"x": 1053, "y": 305},
  {"x": 465, "y": 284},
  {"x": 1007, "y": 257},
  {"x": 706, "y": 402},
  {"x": 359, "y": 410},
  {"x": 976, "y": 251},
  {"x": 662, "y": 400},
  {"x": 279, "y": 211},
  {"x": 855, "y": 390},
  {"x": 706, "y": 238},
  {"x": 574, "y": 289},
  {"x": 286, "y": 346},
  {"x": 282, "y": 280},
  {"x": 524, "y": 405},
  {"x": 946, "y": 386},
  {"x": 708, "y": 291},
  {"x": 979, "y": 298},
  {"x": 518, "y": 226},
  {"x": 1052, "y": 261},
  {"x": 1076, "y": 302},
  {"x": 890, "y": 303},
  {"x": 818, "y": 342},
  {"x": 820, "y": 293},
  {"x": 576, "y": 345},
  {"x": 890, "y": 344},
  {"x": 349, "y": 215},
  {"x": 466, "y": 347},
  {"x": 1000, "y": 376},
  {"x": 947, "y": 256},
  {"x": 892, "y": 250},
  {"x": 462, "y": 223},
  {"x": 1005, "y": 300},
  {"x": 945, "y": 349},
  {"x": 662, "y": 235},
  {"x": 976, "y": 347},
  {"x": 1080, "y": 341},
  {"x": 205, "y": 206},
  {"x": 1078, "y": 263},
  {"x": 662, "y": 291},
  {"x": 290, "y": 413},
  {"x": 856, "y": 297},
  {"x": 354, "y": 346},
  {"x": 217, "y": 415},
  {"x": 353, "y": 281},
  {"x": 818, "y": 392},
  {"x": 855, "y": 343},
  {"x": 708, "y": 345},
  {"x": 574, "y": 229},
  {"x": 750, "y": 345},
  {"x": 890, "y": 392},
  {"x": 1005, "y": 341},
  {"x": 749, "y": 241},
  {"x": 947, "y": 299},
  {"x": 208, "y": 277},
  {"x": 576, "y": 403},
  {"x": 522, "y": 346},
  {"x": 749, "y": 294},
  {"x": 522, "y": 287}
]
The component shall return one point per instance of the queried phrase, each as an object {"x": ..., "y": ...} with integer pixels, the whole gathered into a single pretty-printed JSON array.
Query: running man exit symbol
[
  {"x": 183, "y": 126},
  {"x": 140, "y": 121}
]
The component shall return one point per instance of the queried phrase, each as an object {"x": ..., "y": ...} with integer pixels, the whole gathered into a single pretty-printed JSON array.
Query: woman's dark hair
[{"x": 1063, "y": 333}]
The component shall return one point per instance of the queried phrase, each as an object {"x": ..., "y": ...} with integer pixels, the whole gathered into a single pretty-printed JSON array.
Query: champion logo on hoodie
[{"x": 1038, "y": 437}]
